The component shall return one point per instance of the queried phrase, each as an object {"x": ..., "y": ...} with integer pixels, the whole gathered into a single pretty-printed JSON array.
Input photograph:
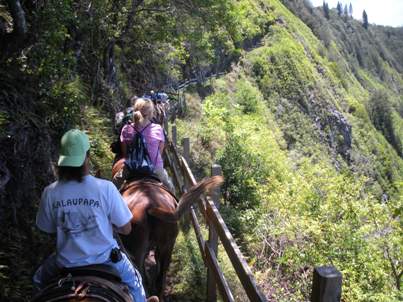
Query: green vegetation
[
  {"x": 307, "y": 124},
  {"x": 301, "y": 189},
  {"x": 100, "y": 133},
  {"x": 187, "y": 270},
  {"x": 381, "y": 114}
]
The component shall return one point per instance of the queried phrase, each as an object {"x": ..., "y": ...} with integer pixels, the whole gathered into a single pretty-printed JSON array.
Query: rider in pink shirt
[{"x": 154, "y": 136}]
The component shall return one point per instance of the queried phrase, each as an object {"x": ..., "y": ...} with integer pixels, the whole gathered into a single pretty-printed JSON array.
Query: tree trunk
[{"x": 18, "y": 14}]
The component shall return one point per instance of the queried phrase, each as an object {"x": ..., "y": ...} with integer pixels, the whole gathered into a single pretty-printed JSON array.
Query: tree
[
  {"x": 381, "y": 114},
  {"x": 365, "y": 19},
  {"x": 308, "y": 4},
  {"x": 351, "y": 10},
  {"x": 326, "y": 9},
  {"x": 345, "y": 12},
  {"x": 12, "y": 42},
  {"x": 339, "y": 9}
]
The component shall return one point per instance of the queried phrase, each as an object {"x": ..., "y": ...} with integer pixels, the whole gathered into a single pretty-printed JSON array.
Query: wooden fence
[{"x": 217, "y": 229}]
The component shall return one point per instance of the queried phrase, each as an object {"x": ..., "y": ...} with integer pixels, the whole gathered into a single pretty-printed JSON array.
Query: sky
[{"x": 381, "y": 12}]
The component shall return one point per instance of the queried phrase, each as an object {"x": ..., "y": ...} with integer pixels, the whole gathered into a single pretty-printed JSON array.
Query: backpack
[
  {"x": 138, "y": 160},
  {"x": 122, "y": 118}
]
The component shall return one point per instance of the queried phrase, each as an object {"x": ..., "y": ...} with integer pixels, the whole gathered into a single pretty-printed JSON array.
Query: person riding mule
[
  {"x": 140, "y": 134},
  {"x": 155, "y": 215},
  {"x": 84, "y": 211},
  {"x": 161, "y": 106}
]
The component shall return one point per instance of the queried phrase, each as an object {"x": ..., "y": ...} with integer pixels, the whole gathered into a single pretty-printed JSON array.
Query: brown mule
[{"x": 155, "y": 216}]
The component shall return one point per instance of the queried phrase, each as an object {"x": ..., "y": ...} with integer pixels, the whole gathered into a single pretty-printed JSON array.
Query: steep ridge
[
  {"x": 375, "y": 51},
  {"x": 308, "y": 129}
]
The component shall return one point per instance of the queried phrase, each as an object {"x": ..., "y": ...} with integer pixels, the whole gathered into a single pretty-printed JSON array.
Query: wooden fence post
[
  {"x": 174, "y": 135},
  {"x": 326, "y": 285},
  {"x": 166, "y": 125},
  {"x": 186, "y": 148},
  {"x": 186, "y": 156},
  {"x": 186, "y": 183},
  {"x": 213, "y": 240}
]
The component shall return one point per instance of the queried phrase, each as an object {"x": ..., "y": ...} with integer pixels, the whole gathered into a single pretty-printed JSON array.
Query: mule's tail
[
  {"x": 190, "y": 197},
  {"x": 205, "y": 186}
]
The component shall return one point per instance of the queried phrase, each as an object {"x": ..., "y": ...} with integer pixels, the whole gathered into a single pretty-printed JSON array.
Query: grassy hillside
[{"x": 313, "y": 176}]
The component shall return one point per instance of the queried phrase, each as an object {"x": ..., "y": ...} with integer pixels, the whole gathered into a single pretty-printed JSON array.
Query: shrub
[
  {"x": 244, "y": 172},
  {"x": 247, "y": 96}
]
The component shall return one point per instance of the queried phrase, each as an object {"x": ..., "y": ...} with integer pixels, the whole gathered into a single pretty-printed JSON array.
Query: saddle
[
  {"x": 98, "y": 270},
  {"x": 97, "y": 282},
  {"x": 133, "y": 177}
]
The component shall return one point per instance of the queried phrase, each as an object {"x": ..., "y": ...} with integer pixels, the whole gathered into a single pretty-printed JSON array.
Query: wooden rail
[{"x": 184, "y": 179}]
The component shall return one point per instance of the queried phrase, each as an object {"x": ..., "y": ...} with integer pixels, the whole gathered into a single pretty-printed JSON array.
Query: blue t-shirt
[{"x": 82, "y": 215}]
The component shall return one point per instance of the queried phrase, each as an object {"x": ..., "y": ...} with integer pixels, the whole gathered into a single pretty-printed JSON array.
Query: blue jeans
[{"x": 129, "y": 275}]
